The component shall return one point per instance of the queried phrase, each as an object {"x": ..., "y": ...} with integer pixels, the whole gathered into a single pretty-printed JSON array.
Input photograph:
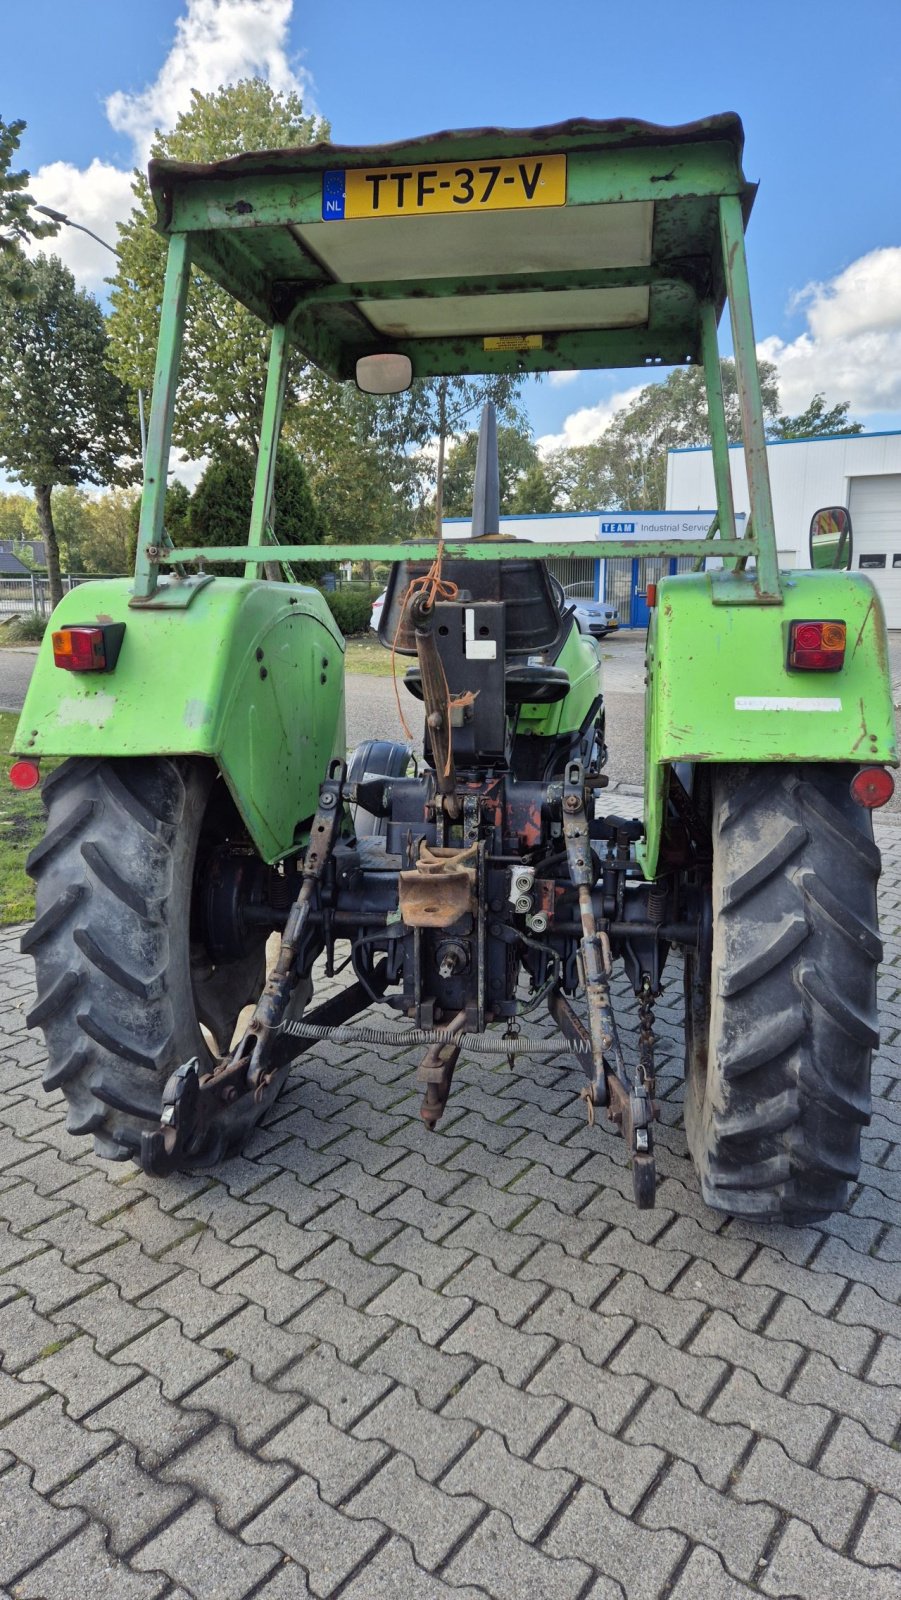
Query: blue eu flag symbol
[{"x": 332, "y": 196}]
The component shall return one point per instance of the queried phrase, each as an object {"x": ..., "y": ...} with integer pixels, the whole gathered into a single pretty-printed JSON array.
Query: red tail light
[
  {"x": 816, "y": 646},
  {"x": 24, "y": 774},
  {"x": 872, "y": 787},
  {"x": 88, "y": 648}
]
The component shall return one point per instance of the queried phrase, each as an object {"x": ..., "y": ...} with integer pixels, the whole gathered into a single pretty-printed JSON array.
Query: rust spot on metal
[
  {"x": 864, "y": 730},
  {"x": 863, "y": 625}
]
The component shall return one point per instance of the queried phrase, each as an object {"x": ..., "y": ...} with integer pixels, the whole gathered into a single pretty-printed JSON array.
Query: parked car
[
  {"x": 377, "y": 604},
  {"x": 597, "y": 617}
]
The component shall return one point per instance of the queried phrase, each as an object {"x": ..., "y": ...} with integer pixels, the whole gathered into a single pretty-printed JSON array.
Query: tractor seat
[{"x": 524, "y": 684}]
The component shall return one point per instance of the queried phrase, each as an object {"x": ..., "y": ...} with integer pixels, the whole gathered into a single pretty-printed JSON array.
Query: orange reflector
[
  {"x": 816, "y": 646},
  {"x": 80, "y": 649},
  {"x": 24, "y": 774},
  {"x": 651, "y": 595},
  {"x": 872, "y": 787}
]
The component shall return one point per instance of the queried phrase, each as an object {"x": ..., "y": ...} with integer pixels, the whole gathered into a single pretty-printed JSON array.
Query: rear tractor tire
[
  {"x": 780, "y": 1014},
  {"x": 125, "y": 984}
]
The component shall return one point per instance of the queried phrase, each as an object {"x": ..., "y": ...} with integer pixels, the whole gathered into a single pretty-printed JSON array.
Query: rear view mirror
[
  {"x": 384, "y": 374},
  {"x": 830, "y": 539}
]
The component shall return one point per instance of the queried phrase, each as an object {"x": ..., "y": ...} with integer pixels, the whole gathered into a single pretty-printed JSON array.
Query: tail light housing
[
  {"x": 88, "y": 647},
  {"x": 25, "y": 774},
  {"x": 872, "y": 787},
  {"x": 816, "y": 646}
]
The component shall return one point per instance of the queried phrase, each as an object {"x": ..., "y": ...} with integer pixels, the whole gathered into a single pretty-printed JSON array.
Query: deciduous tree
[
  {"x": 64, "y": 416},
  {"x": 815, "y": 421},
  {"x": 18, "y": 222}
]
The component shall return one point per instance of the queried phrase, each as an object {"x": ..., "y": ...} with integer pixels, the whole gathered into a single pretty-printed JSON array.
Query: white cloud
[
  {"x": 587, "y": 424},
  {"x": 851, "y": 348},
  {"x": 216, "y": 42},
  {"x": 557, "y": 380},
  {"x": 98, "y": 198}
]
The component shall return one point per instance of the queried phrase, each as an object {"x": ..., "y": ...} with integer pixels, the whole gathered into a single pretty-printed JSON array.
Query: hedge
[{"x": 351, "y": 608}]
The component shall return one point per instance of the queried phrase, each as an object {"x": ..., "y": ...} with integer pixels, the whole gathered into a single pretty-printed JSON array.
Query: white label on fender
[{"x": 778, "y": 702}]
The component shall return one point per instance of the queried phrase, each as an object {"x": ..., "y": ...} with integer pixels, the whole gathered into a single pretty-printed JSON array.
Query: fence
[{"x": 20, "y": 597}]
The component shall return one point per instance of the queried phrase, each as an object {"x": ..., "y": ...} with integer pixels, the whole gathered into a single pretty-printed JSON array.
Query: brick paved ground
[{"x": 365, "y": 1361}]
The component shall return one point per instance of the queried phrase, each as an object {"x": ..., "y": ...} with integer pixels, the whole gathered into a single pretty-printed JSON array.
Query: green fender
[
  {"x": 719, "y": 688},
  {"x": 248, "y": 673}
]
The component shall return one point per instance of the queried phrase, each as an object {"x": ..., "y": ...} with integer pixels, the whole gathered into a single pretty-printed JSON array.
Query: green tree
[
  {"x": 515, "y": 457},
  {"x": 626, "y": 467},
  {"x": 64, "y": 417},
  {"x": 223, "y": 367},
  {"x": 538, "y": 490},
  {"x": 18, "y": 222},
  {"x": 437, "y": 408},
  {"x": 359, "y": 480},
  {"x": 815, "y": 421},
  {"x": 221, "y": 503}
]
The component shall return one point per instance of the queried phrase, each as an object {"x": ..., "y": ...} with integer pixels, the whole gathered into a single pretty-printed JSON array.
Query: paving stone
[
  {"x": 705, "y": 1578},
  {"x": 432, "y": 1441},
  {"x": 799, "y": 1428},
  {"x": 338, "y": 1461},
  {"x": 392, "y": 1574},
  {"x": 277, "y": 1293},
  {"x": 567, "y": 1194},
  {"x": 503, "y": 1209},
  {"x": 495, "y": 1560},
  {"x": 288, "y": 1243},
  {"x": 876, "y": 1406},
  {"x": 504, "y": 1249},
  {"x": 152, "y": 1228},
  {"x": 529, "y": 1494},
  {"x": 608, "y": 1396},
  {"x": 854, "y": 1453},
  {"x": 212, "y": 1259},
  {"x": 511, "y": 1298},
  {"x": 366, "y": 1234},
  {"x": 301, "y": 1203},
  {"x": 337, "y": 1267},
  {"x": 370, "y": 1194},
  {"x": 674, "y": 1319},
  {"x": 253, "y": 1409},
  {"x": 519, "y": 1417},
  {"x": 485, "y": 1337},
  {"x": 109, "y": 1320},
  {"x": 268, "y": 1348},
  {"x": 713, "y": 1448},
  {"x": 287, "y": 1582},
  {"x": 747, "y": 1303},
  {"x": 84, "y": 1566},
  {"x": 17, "y": 1395},
  {"x": 52, "y": 1444},
  {"x": 21, "y": 1204},
  {"x": 429, "y": 1218},
  {"x": 838, "y": 1257},
  {"x": 168, "y": 1355},
  {"x": 128, "y": 1501},
  {"x": 801, "y": 1565},
  {"x": 431, "y": 1519},
  {"x": 196, "y": 1308},
  {"x": 575, "y": 1235},
  {"x": 30, "y": 1526},
  {"x": 433, "y": 1264},
  {"x": 343, "y": 1391},
  {"x": 864, "y": 1307},
  {"x": 328, "y": 1544},
  {"x": 153, "y": 1425},
  {"x": 24, "y": 1335},
  {"x": 830, "y": 1506},
  {"x": 431, "y": 1374},
  {"x": 236, "y": 1482},
  {"x": 772, "y": 1361},
  {"x": 135, "y": 1273},
  {"x": 656, "y": 1265},
  {"x": 637, "y": 1558},
  {"x": 49, "y": 1282},
  {"x": 352, "y": 1333},
  {"x": 77, "y": 1239},
  {"x": 205, "y": 1559},
  {"x": 849, "y": 1347},
  {"x": 739, "y": 1533},
  {"x": 433, "y": 1315},
  {"x": 819, "y": 1291},
  {"x": 880, "y": 1539},
  {"x": 83, "y": 1378},
  {"x": 583, "y": 1281},
  {"x": 692, "y": 1378},
  {"x": 624, "y": 1471}
]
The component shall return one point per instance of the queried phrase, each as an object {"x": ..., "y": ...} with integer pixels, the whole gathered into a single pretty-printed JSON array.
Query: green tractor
[{"x": 206, "y": 800}]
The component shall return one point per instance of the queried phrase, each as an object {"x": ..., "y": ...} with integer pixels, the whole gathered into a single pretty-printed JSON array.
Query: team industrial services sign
[{"x": 658, "y": 524}]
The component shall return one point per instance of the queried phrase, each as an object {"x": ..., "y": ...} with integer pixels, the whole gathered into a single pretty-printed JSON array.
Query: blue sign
[
  {"x": 332, "y": 196},
  {"x": 617, "y": 527}
]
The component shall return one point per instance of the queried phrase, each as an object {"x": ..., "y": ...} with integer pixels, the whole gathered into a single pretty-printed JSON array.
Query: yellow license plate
[{"x": 508, "y": 184}]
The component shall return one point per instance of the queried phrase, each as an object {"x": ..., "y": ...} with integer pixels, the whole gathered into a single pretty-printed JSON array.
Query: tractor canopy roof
[{"x": 585, "y": 244}]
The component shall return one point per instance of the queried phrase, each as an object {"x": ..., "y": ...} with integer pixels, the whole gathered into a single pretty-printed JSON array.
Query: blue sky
[{"x": 816, "y": 83}]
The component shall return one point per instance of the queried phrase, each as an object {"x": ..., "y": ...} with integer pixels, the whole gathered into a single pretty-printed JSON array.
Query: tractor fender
[
  {"x": 248, "y": 673},
  {"x": 719, "y": 688}
]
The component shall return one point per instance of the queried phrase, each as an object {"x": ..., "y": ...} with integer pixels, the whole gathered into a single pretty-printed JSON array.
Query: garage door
[{"x": 875, "y": 506}]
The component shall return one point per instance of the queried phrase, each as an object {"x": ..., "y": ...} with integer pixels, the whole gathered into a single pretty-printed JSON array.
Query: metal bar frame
[
  {"x": 151, "y": 533},
  {"x": 463, "y": 550},
  {"x": 735, "y": 267},
  {"x": 273, "y": 407},
  {"x": 716, "y": 421}
]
